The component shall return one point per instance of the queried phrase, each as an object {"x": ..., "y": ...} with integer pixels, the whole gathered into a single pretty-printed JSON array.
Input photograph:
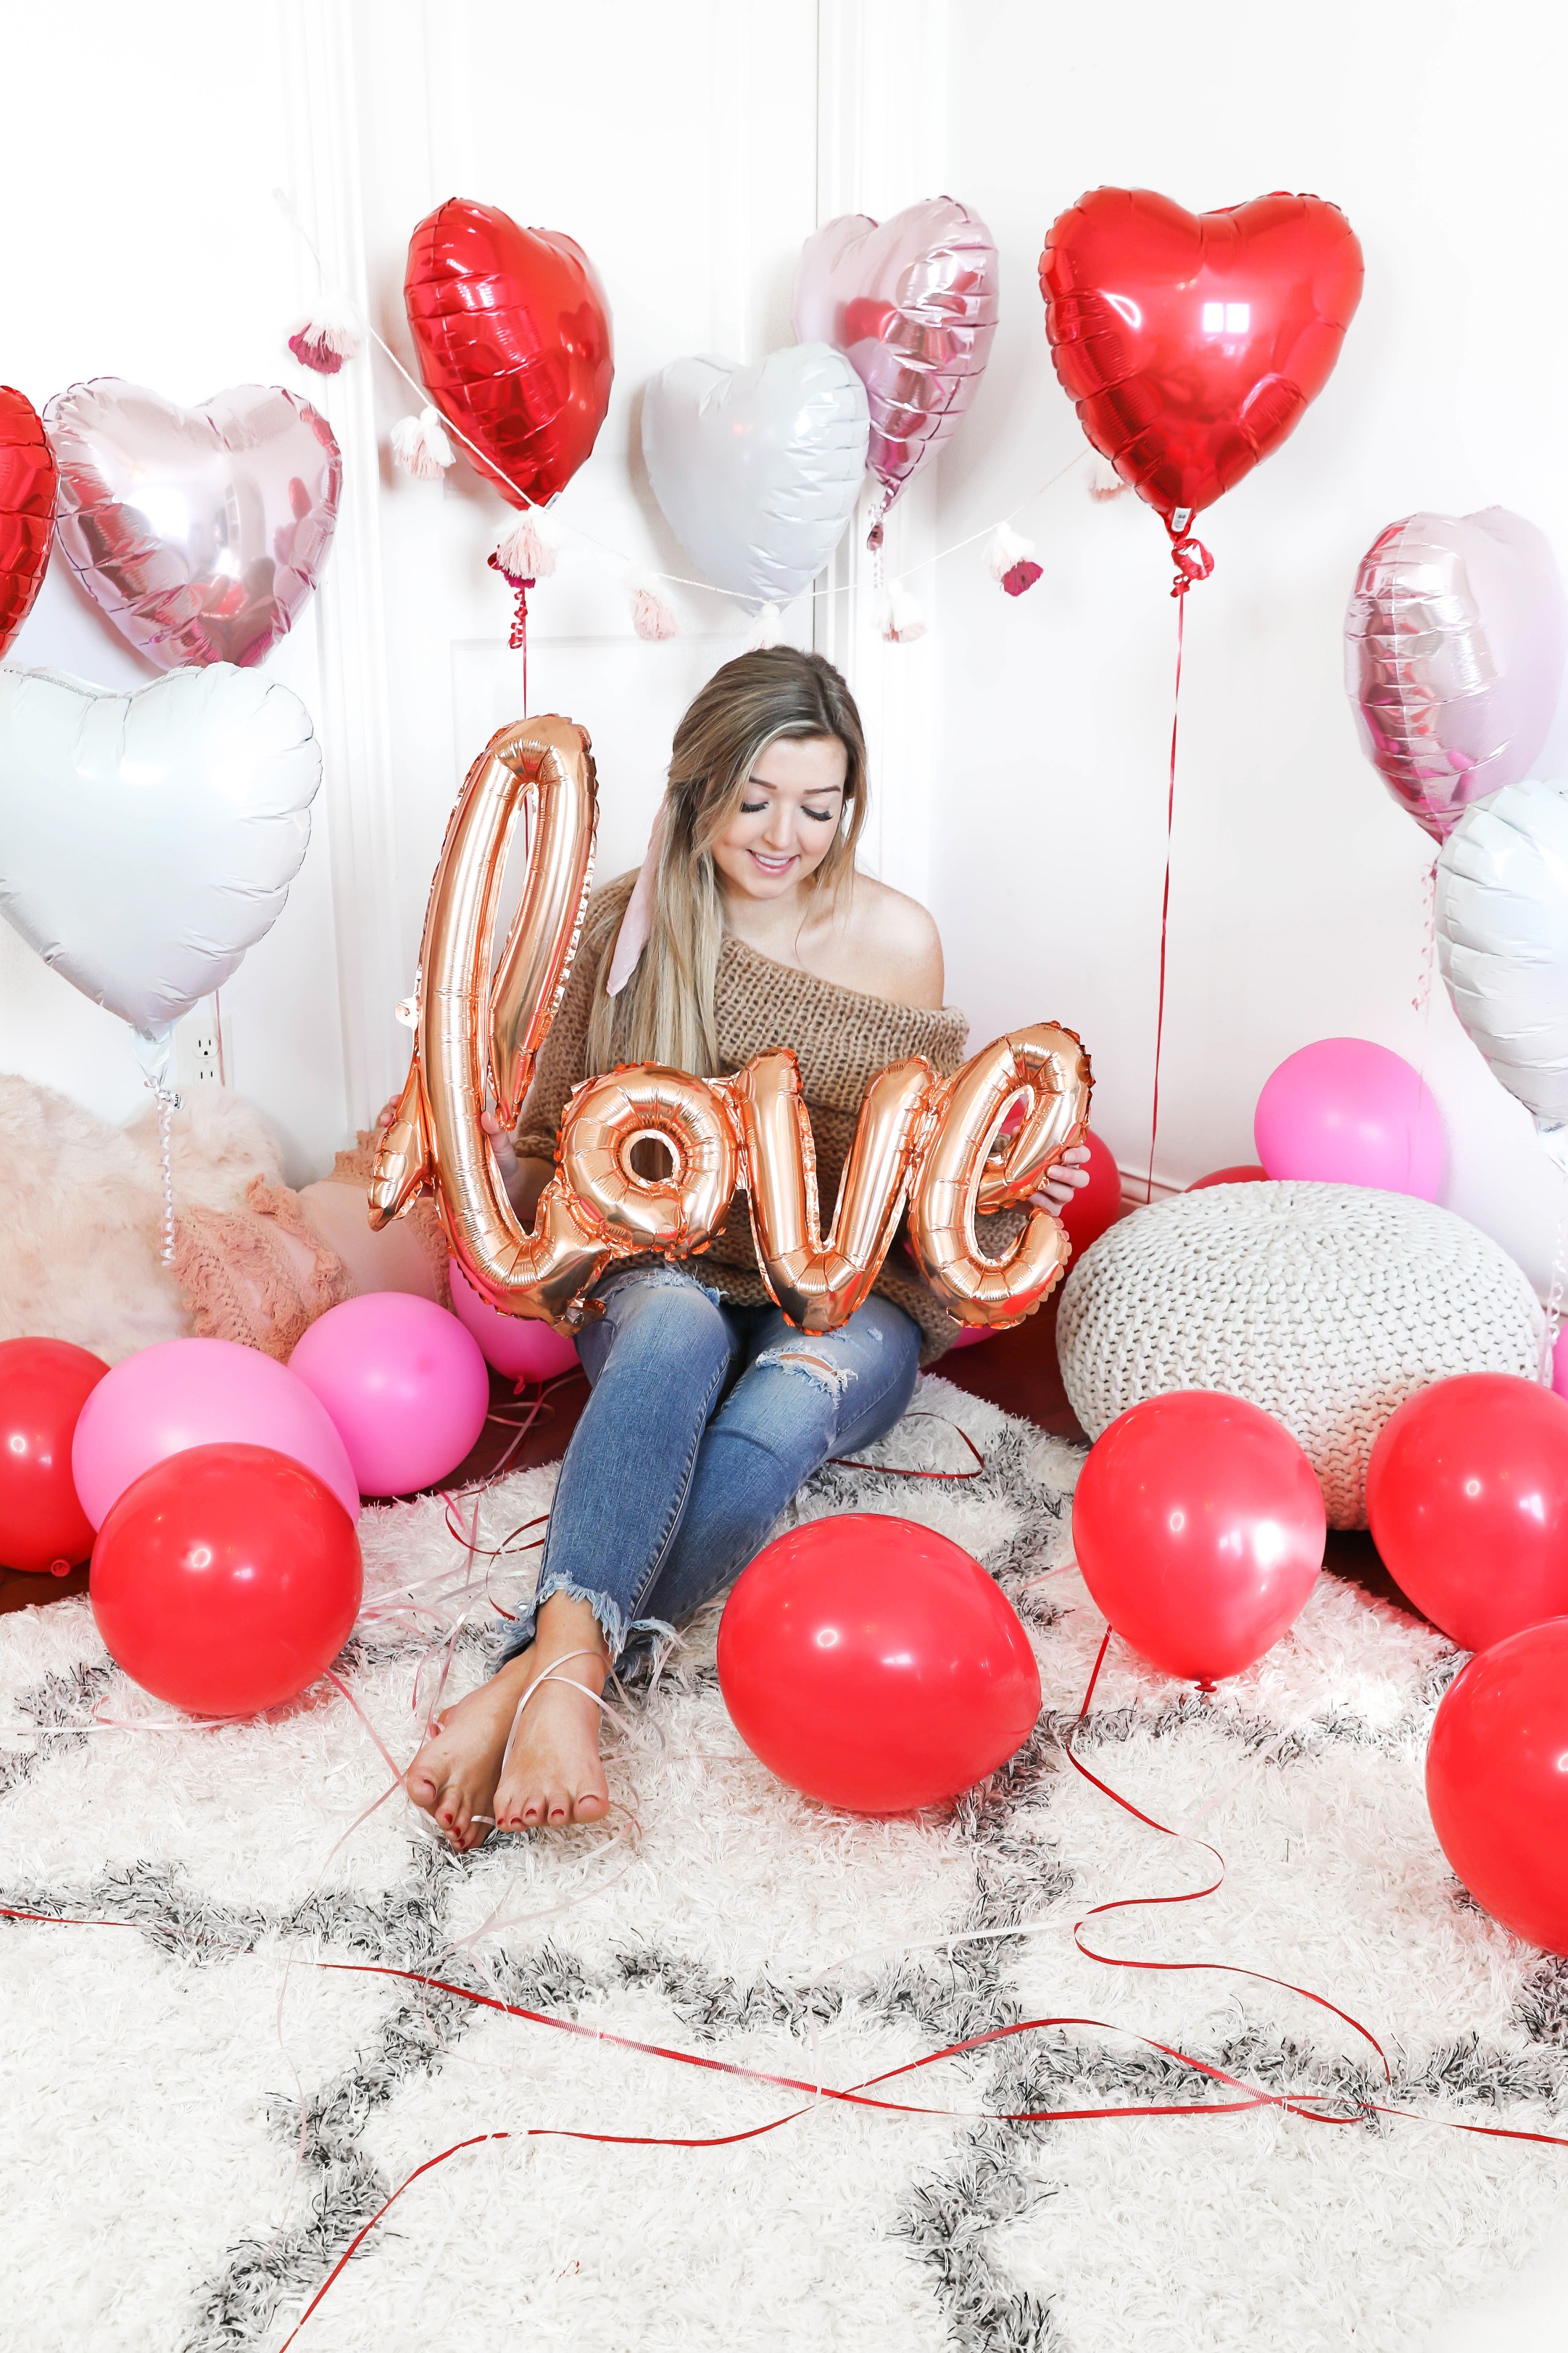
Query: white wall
[
  {"x": 1021, "y": 747},
  {"x": 1297, "y": 894}
]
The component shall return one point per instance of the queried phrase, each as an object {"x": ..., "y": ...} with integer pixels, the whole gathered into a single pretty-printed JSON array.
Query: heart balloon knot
[
  {"x": 520, "y": 586},
  {"x": 1193, "y": 562}
]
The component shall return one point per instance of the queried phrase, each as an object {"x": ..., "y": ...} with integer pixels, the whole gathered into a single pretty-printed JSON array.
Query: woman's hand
[{"x": 1063, "y": 1182}]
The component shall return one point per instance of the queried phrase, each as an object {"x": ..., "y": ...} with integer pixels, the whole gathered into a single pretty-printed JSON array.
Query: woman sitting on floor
[{"x": 753, "y": 929}]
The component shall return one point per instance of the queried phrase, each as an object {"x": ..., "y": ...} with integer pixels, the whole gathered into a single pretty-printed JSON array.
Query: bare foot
[
  {"x": 552, "y": 1775},
  {"x": 453, "y": 1779}
]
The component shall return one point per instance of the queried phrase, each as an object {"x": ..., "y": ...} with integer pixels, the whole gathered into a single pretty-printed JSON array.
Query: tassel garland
[
  {"x": 523, "y": 553},
  {"x": 902, "y": 619},
  {"x": 327, "y": 336},
  {"x": 420, "y": 446},
  {"x": 1010, "y": 560},
  {"x": 651, "y": 616},
  {"x": 767, "y": 629},
  {"x": 1104, "y": 481}
]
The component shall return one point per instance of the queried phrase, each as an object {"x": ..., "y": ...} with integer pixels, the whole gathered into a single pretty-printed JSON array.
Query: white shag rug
[{"x": 163, "y": 2191}]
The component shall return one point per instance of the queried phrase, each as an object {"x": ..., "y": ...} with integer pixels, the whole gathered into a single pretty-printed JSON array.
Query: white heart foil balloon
[
  {"x": 1503, "y": 944},
  {"x": 757, "y": 469},
  {"x": 1454, "y": 649},
  {"x": 199, "y": 532},
  {"x": 148, "y": 839}
]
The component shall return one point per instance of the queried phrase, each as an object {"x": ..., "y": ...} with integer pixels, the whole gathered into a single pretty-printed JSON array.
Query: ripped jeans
[{"x": 705, "y": 1419}]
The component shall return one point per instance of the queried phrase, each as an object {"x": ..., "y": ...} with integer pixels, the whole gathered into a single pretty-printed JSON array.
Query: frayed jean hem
[{"x": 618, "y": 1630}]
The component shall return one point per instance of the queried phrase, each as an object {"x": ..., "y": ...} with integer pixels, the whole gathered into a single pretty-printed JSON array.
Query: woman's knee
[{"x": 657, "y": 1314}]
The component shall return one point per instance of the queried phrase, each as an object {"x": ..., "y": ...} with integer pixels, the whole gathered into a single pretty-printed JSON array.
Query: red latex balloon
[
  {"x": 1096, "y": 1206},
  {"x": 226, "y": 1578},
  {"x": 1466, "y": 1495},
  {"x": 1191, "y": 343},
  {"x": 1199, "y": 1526},
  {"x": 874, "y": 1664},
  {"x": 1497, "y": 1782},
  {"x": 44, "y": 1384},
  {"x": 28, "y": 484},
  {"x": 513, "y": 335},
  {"x": 1245, "y": 1172}
]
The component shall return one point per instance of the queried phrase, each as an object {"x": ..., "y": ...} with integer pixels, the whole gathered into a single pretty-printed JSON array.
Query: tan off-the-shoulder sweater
[{"x": 843, "y": 1038}]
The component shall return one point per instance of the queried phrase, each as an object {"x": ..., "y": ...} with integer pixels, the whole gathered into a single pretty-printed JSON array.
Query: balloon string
[
  {"x": 892, "y": 1471},
  {"x": 167, "y": 1169},
  {"x": 1191, "y": 1896},
  {"x": 1166, "y": 894},
  {"x": 1553, "y": 1323},
  {"x": 1422, "y": 998}
]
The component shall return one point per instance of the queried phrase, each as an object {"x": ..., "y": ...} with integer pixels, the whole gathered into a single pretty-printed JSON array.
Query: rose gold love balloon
[
  {"x": 1454, "y": 641},
  {"x": 912, "y": 304},
  {"x": 933, "y": 1141},
  {"x": 199, "y": 532}
]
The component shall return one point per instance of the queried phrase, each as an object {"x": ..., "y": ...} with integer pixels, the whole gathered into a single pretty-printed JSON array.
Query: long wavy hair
[{"x": 665, "y": 1012}]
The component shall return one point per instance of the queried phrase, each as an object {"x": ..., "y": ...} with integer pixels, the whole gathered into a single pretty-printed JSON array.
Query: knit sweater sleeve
[{"x": 563, "y": 1062}]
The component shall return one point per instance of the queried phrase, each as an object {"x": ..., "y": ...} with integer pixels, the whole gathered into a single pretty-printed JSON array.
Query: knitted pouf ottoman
[{"x": 1327, "y": 1305}]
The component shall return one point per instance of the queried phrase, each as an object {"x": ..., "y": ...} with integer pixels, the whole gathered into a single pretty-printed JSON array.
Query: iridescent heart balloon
[
  {"x": 912, "y": 304},
  {"x": 199, "y": 532},
  {"x": 1454, "y": 649}
]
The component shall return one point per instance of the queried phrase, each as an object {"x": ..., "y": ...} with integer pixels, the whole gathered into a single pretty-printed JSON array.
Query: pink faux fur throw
[{"x": 79, "y": 1212}]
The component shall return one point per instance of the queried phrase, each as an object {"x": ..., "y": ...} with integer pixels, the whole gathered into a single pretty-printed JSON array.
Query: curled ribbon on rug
[{"x": 920, "y": 1140}]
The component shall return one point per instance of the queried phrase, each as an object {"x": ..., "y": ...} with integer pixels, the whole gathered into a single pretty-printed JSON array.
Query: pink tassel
[
  {"x": 1010, "y": 559},
  {"x": 1104, "y": 481},
  {"x": 523, "y": 553},
  {"x": 651, "y": 616},
  {"x": 325, "y": 337},
  {"x": 903, "y": 620},
  {"x": 420, "y": 446}
]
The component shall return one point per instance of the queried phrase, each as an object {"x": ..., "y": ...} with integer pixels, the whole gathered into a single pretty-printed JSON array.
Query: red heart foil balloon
[
  {"x": 27, "y": 509},
  {"x": 199, "y": 532},
  {"x": 513, "y": 335},
  {"x": 1191, "y": 343}
]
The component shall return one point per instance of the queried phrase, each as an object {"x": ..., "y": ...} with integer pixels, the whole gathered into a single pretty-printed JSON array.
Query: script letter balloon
[
  {"x": 912, "y": 304},
  {"x": 1191, "y": 343},
  {"x": 1496, "y": 1786},
  {"x": 44, "y": 1384},
  {"x": 1467, "y": 1496},
  {"x": 469, "y": 1029},
  {"x": 27, "y": 509},
  {"x": 953, "y": 1181},
  {"x": 757, "y": 469},
  {"x": 225, "y": 1580},
  {"x": 148, "y": 839},
  {"x": 1454, "y": 649},
  {"x": 1502, "y": 944},
  {"x": 1199, "y": 1526},
  {"x": 513, "y": 335},
  {"x": 605, "y": 1119},
  {"x": 199, "y": 532},
  {"x": 873, "y": 1664}
]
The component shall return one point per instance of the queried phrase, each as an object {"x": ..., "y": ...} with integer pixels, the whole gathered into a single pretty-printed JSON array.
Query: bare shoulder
[{"x": 889, "y": 945}]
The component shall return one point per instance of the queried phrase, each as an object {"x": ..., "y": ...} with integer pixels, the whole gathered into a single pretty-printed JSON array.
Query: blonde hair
[{"x": 665, "y": 1012}]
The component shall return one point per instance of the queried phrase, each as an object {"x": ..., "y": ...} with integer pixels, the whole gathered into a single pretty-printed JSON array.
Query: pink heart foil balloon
[
  {"x": 912, "y": 303},
  {"x": 199, "y": 532},
  {"x": 1454, "y": 650}
]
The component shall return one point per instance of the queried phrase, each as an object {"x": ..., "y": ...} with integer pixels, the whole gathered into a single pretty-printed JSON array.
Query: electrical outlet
[{"x": 203, "y": 1054}]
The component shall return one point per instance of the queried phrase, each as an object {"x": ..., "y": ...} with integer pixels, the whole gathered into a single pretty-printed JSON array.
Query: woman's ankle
[{"x": 566, "y": 1625}]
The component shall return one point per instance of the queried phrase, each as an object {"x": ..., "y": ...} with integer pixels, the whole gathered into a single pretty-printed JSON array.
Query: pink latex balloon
[
  {"x": 1560, "y": 1362},
  {"x": 199, "y": 532},
  {"x": 1454, "y": 649},
  {"x": 519, "y": 1345},
  {"x": 185, "y": 1393},
  {"x": 405, "y": 1383},
  {"x": 1346, "y": 1112},
  {"x": 912, "y": 304}
]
